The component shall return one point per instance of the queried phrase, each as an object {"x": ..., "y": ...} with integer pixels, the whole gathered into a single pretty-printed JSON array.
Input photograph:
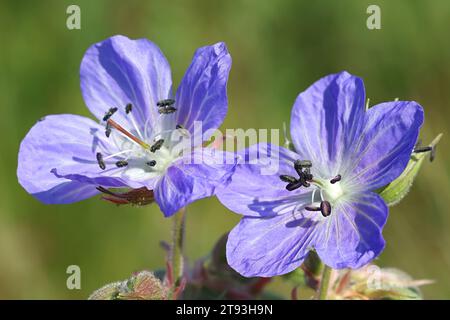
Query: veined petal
[
  {"x": 384, "y": 148},
  {"x": 194, "y": 177},
  {"x": 66, "y": 192},
  {"x": 118, "y": 71},
  {"x": 202, "y": 94},
  {"x": 65, "y": 143},
  {"x": 256, "y": 189},
  {"x": 351, "y": 236},
  {"x": 327, "y": 118},
  {"x": 173, "y": 191},
  {"x": 271, "y": 246}
]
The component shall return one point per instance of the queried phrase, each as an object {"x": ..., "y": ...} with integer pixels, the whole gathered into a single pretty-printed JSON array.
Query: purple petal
[
  {"x": 57, "y": 144},
  {"x": 67, "y": 192},
  {"x": 118, "y": 71},
  {"x": 202, "y": 94},
  {"x": 192, "y": 178},
  {"x": 267, "y": 247},
  {"x": 351, "y": 237},
  {"x": 327, "y": 118},
  {"x": 173, "y": 191},
  {"x": 384, "y": 148},
  {"x": 256, "y": 189}
]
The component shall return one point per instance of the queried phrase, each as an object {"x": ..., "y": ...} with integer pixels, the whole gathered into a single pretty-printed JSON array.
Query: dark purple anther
[
  {"x": 128, "y": 108},
  {"x": 100, "y": 161},
  {"x": 121, "y": 163},
  {"x": 308, "y": 208},
  {"x": 151, "y": 163},
  {"x": 336, "y": 179},
  {"x": 325, "y": 208},
  {"x": 294, "y": 185},
  {"x": 109, "y": 114},
  {"x": 288, "y": 179}
]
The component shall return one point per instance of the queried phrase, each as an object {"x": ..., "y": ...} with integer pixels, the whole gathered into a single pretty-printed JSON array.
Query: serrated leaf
[{"x": 394, "y": 192}]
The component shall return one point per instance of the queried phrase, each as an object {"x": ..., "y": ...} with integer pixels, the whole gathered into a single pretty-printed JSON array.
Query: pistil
[{"x": 118, "y": 127}]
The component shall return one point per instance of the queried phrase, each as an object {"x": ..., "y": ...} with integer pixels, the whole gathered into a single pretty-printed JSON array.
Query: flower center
[
  {"x": 329, "y": 191},
  {"x": 333, "y": 191},
  {"x": 139, "y": 157}
]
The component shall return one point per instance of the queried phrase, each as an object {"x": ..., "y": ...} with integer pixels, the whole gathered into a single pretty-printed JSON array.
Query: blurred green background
[{"x": 278, "y": 48}]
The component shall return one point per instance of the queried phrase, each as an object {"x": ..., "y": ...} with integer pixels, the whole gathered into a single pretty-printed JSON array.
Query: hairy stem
[
  {"x": 324, "y": 283},
  {"x": 176, "y": 257}
]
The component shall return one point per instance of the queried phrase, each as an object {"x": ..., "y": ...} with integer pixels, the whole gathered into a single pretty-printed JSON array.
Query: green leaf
[{"x": 394, "y": 192}]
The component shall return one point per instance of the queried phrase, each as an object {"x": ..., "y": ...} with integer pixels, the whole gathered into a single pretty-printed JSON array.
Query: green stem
[
  {"x": 324, "y": 283},
  {"x": 176, "y": 257}
]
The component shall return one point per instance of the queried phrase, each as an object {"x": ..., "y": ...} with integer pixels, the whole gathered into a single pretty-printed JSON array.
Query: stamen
[
  {"x": 157, "y": 145},
  {"x": 325, "y": 208},
  {"x": 294, "y": 185},
  {"x": 115, "y": 125},
  {"x": 302, "y": 164},
  {"x": 288, "y": 179},
  {"x": 146, "y": 128},
  {"x": 433, "y": 153},
  {"x": 108, "y": 130},
  {"x": 121, "y": 163},
  {"x": 116, "y": 154},
  {"x": 151, "y": 163},
  {"x": 128, "y": 108},
  {"x": 182, "y": 130},
  {"x": 336, "y": 179},
  {"x": 422, "y": 149},
  {"x": 167, "y": 110},
  {"x": 166, "y": 106},
  {"x": 165, "y": 102},
  {"x": 307, "y": 174},
  {"x": 108, "y": 114},
  {"x": 100, "y": 161},
  {"x": 303, "y": 169},
  {"x": 313, "y": 194}
]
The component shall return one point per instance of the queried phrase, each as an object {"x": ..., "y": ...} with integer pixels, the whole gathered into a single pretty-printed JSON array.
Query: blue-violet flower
[
  {"x": 322, "y": 197},
  {"x": 126, "y": 84}
]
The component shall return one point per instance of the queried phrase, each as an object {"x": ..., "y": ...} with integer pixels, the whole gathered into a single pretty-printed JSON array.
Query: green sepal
[{"x": 395, "y": 191}]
